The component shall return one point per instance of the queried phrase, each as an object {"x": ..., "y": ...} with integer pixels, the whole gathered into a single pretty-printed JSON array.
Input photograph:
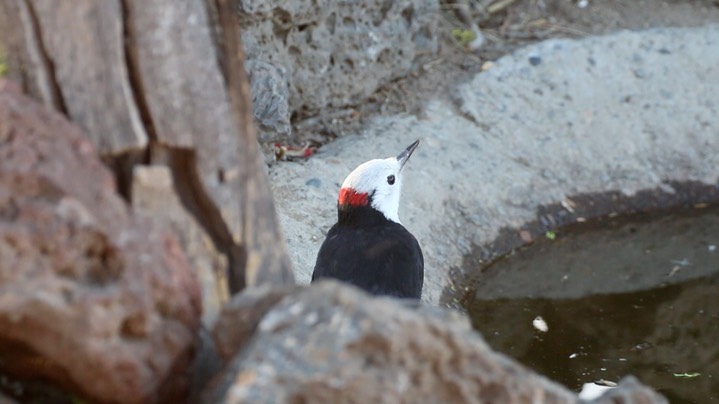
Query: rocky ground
[
  {"x": 624, "y": 113},
  {"x": 517, "y": 23}
]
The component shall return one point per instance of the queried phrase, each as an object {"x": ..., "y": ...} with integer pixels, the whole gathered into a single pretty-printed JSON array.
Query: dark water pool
[{"x": 619, "y": 296}]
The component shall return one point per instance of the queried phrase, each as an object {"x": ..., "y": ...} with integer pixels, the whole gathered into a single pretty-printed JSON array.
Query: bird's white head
[{"x": 377, "y": 183}]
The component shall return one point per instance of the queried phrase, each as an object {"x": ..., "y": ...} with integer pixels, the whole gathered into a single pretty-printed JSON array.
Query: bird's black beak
[{"x": 404, "y": 156}]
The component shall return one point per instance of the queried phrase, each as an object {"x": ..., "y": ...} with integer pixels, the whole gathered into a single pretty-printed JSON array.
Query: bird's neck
[{"x": 360, "y": 216}]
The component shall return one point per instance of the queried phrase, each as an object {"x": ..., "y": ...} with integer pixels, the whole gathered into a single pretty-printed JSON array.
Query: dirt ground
[{"x": 506, "y": 25}]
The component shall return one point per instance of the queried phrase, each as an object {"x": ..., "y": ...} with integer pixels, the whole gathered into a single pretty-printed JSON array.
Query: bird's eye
[{"x": 390, "y": 180}]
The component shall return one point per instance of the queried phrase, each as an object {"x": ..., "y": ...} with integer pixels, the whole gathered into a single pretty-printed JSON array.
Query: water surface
[{"x": 620, "y": 296}]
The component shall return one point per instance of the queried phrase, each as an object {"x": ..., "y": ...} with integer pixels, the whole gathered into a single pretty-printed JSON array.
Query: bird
[{"x": 369, "y": 247}]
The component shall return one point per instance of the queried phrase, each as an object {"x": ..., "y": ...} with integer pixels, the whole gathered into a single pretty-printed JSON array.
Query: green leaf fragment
[
  {"x": 465, "y": 36},
  {"x": 686, "y": 375},
  {"x": 550, "y": 235}
]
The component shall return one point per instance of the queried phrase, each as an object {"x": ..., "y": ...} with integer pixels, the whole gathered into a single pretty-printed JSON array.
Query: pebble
[{"x": 314, "y": 182}]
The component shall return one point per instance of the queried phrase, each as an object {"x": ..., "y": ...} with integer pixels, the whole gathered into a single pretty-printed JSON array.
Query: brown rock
[
  {"x": 6, "y": 400},
  {"x": 333, "y": 343},
  {"x": 93, "y": 298},
  {"x": 153, "y": 194}
]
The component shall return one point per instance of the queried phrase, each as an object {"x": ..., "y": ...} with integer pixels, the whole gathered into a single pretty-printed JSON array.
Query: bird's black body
[{"x": 367, "y": 250}]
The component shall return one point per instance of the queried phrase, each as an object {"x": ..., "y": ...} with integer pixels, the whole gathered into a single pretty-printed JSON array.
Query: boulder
[
  {"x": 93, "y": 298},
  {"x": 334, "y": 343}
]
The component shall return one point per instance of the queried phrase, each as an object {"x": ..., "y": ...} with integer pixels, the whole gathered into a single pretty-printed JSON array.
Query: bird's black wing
[{"x": 383, "y": 260}]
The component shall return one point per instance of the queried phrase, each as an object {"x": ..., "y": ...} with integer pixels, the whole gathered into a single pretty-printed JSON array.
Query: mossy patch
[{"x": 3, "y": 63}]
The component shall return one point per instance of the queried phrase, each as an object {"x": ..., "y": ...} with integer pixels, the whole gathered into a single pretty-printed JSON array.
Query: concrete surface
[{"x": 626, "y": 112}]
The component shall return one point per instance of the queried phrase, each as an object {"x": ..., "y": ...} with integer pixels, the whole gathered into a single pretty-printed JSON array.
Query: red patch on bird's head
[{"x": 349, "y": 196}]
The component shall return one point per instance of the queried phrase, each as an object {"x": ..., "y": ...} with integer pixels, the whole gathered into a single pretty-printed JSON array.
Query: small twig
[
  {"x": 431, "y": 64},
  {"x": 499, "y": 6},
  {"x": 568, "y": 30}
]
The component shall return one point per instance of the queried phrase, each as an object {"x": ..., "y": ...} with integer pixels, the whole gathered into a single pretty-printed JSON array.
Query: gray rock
[
  {"x": 337, "y": 53},
  {"x": 489, "y": 160},
  {"x": 334, "y": 343},
  {"x": 270, "y": 99}
]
